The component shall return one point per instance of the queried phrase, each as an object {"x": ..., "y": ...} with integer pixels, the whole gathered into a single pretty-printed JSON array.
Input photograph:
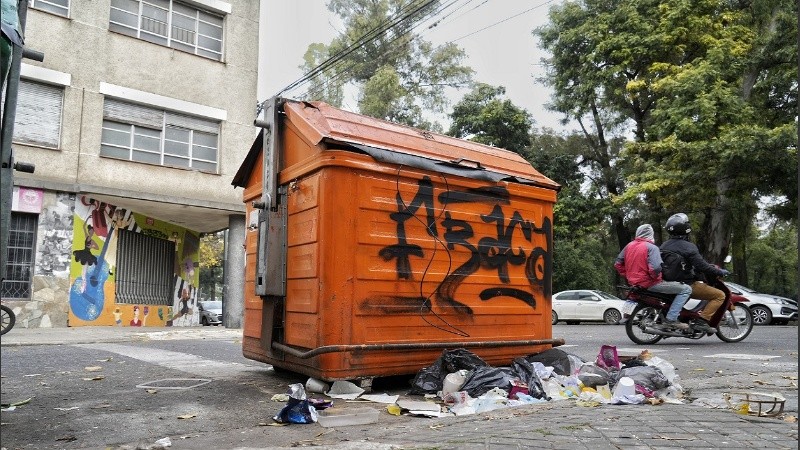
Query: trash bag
[
  {"x": 608, "y": 357},
  {"x": 562, "y": 362},
  {"x": 649, "y": 377},
  {"x": 592, "y": 376},
  {"x": 526, "y": 372},
  {"x": 430, "y": 380},
  {"x": 483, "y": 379},
  {"x": 296, "y": 411}
]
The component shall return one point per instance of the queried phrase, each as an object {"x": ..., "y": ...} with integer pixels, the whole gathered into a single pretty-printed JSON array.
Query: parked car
[
  {"x": 586, "y": 305},
  {"x": 210, "y": 312},
  {"x": 766, "y": 308}
]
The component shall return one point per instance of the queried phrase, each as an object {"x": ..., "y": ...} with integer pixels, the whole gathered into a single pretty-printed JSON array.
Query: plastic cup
[
  {"x": 625, "y": 386},
  {"x": 316, "y": 386}
]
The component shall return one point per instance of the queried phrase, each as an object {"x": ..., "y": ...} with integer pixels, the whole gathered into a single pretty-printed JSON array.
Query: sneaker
[
  {"x": 702, "y": 325},
  {"x": 675, "y": 324}
]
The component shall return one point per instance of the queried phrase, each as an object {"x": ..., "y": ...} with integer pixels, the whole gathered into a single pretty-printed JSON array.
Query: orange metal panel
[{"x": 380, "y": 254}]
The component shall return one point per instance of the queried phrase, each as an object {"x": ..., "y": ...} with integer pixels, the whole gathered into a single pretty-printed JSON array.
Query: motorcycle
[
  {"x": 645, "y": 311},
  {"x": 7, "y": 319}
]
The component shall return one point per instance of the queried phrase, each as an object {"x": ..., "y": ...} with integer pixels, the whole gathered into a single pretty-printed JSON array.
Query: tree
[
  {"x": 212, "y": 258},
  {"x": 484, "y": 116},
  {"x": 399, "y": 76}
]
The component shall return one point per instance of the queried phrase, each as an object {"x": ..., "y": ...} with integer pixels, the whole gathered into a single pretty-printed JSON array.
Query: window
[
  {"x": 169, "y": 23},
  {"x": 58, "y": 7},
  {"x": 19, "y": 262},
  {"x": 37, "y": 119},
  {"x": 149, "y": 135},
  {"x": 145, "y": 269}
]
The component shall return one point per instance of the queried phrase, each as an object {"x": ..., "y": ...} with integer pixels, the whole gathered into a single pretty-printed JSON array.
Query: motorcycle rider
[
  {"x": 640, "y": 264},
  {"x": 678, "y": 228}
]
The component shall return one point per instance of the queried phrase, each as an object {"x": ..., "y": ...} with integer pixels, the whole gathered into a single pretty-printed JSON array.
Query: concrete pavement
[{"x": 554, "y": 425}]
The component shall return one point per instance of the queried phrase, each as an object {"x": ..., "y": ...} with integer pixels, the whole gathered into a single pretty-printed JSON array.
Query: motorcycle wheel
[
  {"x": 8, "y": 319},
  {"x": 735, "y": 325},
  {"x": 643, "y": 316}
]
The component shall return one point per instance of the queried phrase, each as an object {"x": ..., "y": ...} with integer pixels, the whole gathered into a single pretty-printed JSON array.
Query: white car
[
  {"x": 587, "y": 305},
  {"x": 766, "y": 308}
]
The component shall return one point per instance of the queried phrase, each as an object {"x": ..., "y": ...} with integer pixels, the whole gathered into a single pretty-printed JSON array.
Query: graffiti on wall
[
  {"x": 96, "y": 230},
  {"x": 55, "y": 248},
  {"x": 450, "y": 227}
]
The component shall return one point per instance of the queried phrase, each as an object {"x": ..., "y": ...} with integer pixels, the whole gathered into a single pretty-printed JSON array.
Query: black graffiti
[
  {"x": 492, "y": 252},
  {"x": 402, "y": 250}
]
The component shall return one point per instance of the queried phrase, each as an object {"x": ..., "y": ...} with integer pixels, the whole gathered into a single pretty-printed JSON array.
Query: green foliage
[
  {"x": 398, "y": 75},
  {"x": 581, "y": 264},
  {"x": 484, "y": 116},
  {"x": 212, "y": 257},
  {"x": 772, "y": 261}
]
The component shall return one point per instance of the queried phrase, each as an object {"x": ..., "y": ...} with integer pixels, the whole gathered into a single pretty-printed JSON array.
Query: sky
[{"x": 495, "y": 34}]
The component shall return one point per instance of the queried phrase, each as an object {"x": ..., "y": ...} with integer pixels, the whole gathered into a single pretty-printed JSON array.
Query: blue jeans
[{"x": 681, "y": 291}]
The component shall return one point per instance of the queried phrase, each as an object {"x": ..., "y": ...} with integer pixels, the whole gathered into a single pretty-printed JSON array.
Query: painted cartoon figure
[
  {"x": 118, "y": 222},
  {"x": 85, "y": 256},
  {"x": 185, "y": 310},
  {"x": 118, "y": 317},
  {"x": 136, "y": 322}
]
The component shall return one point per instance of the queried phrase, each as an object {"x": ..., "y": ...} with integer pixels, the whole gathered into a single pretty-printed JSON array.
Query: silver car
[
  {"x": 210, "y": 312},
  {"x": 586, "y": 305},
  {"x": 766, "y": 308}
]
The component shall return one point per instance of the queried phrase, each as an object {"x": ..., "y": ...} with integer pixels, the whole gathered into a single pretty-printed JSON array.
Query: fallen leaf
[
  {"x": 762, "y": 382},
  {"x": 187, "y": 416},
  {"x": 66, "y": 409},
  {"x": 699, "y": 369},
  {"x": 105, "y": 360},
  {"x": 20, "y": 403},
  {"x": 93, "y": 369},
  {"x": 152, "y": 391},
  {"x": 435, "y": 427},
  {"x": 97, "y": 378},
  {"x": 33, "y": 375},
  {"x": 276, "y": 424},
  {"x": 67, "y": 438},
  {"x": 790, "y": 419}
]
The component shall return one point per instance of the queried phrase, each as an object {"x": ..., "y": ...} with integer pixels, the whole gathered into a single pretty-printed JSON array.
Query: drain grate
[{"x": 174, "y": 383}]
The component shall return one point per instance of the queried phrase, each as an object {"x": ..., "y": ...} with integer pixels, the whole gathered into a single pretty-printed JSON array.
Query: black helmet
[{"x": 678, "y": 225}]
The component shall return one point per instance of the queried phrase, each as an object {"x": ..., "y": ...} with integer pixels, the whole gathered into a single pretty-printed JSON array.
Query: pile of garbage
[{"x": 462, "y": 383}]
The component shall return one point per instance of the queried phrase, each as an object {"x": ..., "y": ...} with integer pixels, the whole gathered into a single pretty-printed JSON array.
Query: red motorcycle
[{"x": 645, "y": 311}]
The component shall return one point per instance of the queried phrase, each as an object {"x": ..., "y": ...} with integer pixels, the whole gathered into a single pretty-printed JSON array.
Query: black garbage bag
[
  {"x": 563, "y": 363},
  {"x": 524, "y": 370},
  {"x": 483, "y": 379},
  {"x": 430, "y": 380},
  {"x": 650, "y": 377}
]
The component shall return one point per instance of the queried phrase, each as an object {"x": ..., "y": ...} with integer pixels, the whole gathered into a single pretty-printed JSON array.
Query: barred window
[
  {"x": 145, "y": 269},
  {"x": 152, "y": 136},
  {"x": 20, "y": 253},
  {"x": 169, "y": 23},
  {"x": 58, "y": 7}
]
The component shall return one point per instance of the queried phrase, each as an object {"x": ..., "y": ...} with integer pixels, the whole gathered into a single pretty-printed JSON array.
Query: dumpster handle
[{"x": 409, "y": 346}]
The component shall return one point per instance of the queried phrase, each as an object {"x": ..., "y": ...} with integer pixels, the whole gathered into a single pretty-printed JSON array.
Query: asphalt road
[{"x": 203, "y": 392}]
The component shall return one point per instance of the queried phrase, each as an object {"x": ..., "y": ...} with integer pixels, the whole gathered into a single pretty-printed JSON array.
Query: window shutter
[
  {"x": 38, "y": 114},
  {"x": 118, "y": 111},
  {"x": 192, "y": 123}
]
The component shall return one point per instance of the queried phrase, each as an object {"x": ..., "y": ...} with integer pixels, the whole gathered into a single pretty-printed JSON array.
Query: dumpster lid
[
  {"x": 320, "y": 121},
  {"x": 399, "y": 144}
]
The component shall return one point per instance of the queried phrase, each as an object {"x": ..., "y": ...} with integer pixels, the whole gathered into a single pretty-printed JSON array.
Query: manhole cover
[{"x": 174, "y": 383}]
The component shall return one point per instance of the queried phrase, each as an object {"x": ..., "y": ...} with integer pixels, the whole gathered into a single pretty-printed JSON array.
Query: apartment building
[{"x": 136, "y": 120}]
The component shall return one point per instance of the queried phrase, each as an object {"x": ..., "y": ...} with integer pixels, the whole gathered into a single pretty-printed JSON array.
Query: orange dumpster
[{"x": 372, "y": 247}]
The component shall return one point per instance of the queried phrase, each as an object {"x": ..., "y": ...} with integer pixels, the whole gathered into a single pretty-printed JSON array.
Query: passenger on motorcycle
[
  {"x": 696, "y": 267},
  {"x": 640, "y": 264}
]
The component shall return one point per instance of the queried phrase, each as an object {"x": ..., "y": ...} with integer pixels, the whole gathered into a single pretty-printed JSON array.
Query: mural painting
[
  {"x": 514, "y": 243},
  {"x": 96, "y": 228},
  {"x": 54, "y": 250}
]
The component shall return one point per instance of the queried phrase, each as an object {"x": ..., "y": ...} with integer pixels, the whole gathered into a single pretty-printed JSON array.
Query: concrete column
[{"x": 233, "y": 273}]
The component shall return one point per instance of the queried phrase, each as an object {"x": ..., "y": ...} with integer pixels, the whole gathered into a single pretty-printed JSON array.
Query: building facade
[{"x": 136, "y": 120}]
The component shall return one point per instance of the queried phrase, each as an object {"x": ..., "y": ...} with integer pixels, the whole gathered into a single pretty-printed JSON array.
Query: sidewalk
[
  {"x": 555, "y": 425},
  {"x": 88, "y": 335}
]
